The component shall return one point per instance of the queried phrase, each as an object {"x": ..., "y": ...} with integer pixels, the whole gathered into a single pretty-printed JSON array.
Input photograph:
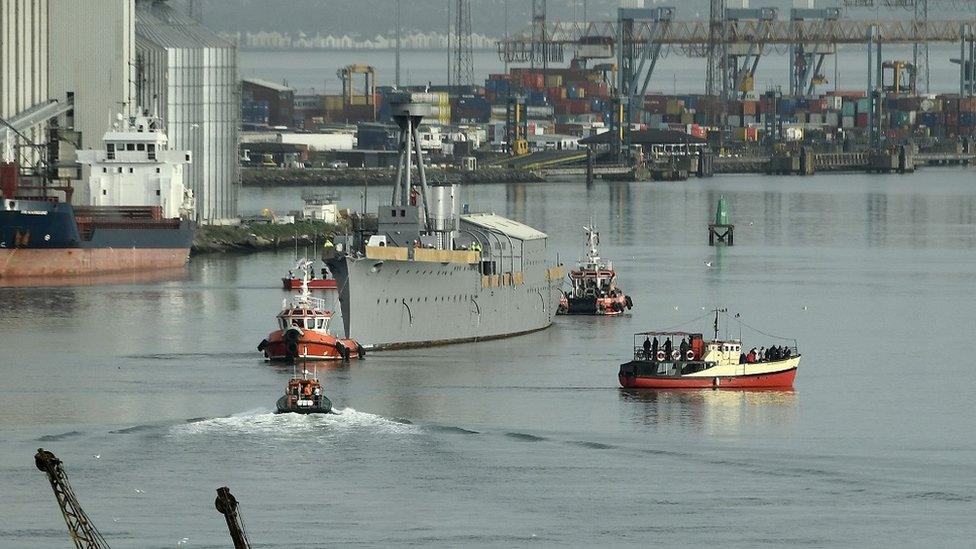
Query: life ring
[
  {"x": 630, "y": 302},
  {"x": 690, "y": 355},
  {"x": 263, "y": 345},
  {"x": 618, "y": 307},
  {"x": 676, "y": 355},
  {"x": 660, "y": 356}
]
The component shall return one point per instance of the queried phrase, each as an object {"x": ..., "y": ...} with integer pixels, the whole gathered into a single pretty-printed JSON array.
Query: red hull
[
  {"x": 57, "y": 262},
  {"x": 776, "y": 380},
  {"x": 313, "y": 284},
  {"x": 311, "y": 346}
]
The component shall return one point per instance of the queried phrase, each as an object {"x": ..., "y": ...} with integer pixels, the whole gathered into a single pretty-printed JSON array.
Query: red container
[
  {"x": 861, "y": 121},
  {"x": 9, "y": 179}
]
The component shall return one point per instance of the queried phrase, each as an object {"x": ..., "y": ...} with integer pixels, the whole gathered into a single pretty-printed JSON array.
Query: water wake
[{"x": 264, "y": 422}]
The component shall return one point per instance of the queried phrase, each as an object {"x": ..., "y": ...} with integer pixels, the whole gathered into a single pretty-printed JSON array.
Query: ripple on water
[
  {"x": 263, "y": 422},
  {"x": 60, "y": 436},
  {"x": 525, "y": 437}
]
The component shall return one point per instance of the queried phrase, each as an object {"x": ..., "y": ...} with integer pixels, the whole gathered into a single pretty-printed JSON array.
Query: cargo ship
[
  {"x": 139, "y": 216},
  {"x": 430, "y": 274}
]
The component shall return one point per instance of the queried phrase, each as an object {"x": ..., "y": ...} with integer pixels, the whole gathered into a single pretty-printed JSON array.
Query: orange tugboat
[
  {"x": 303, "y": 331},
  {"x": 595, "y": 290},
  {"x": 695, "y": 363}
]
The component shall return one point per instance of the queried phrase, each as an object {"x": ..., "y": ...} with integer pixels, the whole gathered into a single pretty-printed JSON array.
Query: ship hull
[
  {"x": 307, "y": 345},
  {"x": 40, "y": 238},
  {"x": 399, "y": 304},
  {"x": 58, "y": 262},
  {"x": 313, "y": 284},
  {"x": 782, "y": 379}
]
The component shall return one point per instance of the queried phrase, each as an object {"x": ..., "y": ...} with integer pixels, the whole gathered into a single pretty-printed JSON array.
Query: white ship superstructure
[{"x": 137, "y": 168}]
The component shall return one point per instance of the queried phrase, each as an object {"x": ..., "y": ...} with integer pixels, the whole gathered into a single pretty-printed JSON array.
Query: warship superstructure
[{"x": 431, "y": 275}]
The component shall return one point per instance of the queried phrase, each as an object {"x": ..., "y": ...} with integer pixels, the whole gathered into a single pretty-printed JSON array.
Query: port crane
[
  {"x": 83, "y": 533},
  {"x": 226, "y": 504}
]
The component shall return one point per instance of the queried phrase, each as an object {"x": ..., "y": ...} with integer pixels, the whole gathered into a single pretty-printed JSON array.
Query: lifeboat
[
  {"x": 304, "y": 395},
  {"x": 304, "y": 331},
  {"x": 683, "y": 360},
  {"x": 594, "y": 285}
]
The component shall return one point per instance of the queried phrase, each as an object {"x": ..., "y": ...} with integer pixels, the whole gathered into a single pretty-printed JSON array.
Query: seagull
[
  {"x": 804, "y": 307},
  {"x": 703, "y": 308},
  {"x": 751, "y": 223},
  {"x": 708, "y": 263},
  {"x": 675, "y": 307},
  {"x": 138, "y": 491},
  {"x": 97, "y": 456},
  {"x": 183, "y": 541}
]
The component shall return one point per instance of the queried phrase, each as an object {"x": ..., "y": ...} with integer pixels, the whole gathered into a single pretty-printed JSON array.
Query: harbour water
[{"x": 154, "y": 395}]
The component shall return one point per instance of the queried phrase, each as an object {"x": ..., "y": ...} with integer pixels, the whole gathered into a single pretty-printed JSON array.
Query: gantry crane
[
  {"x": 80, "y": 528},
  {"x": 226, "y": 503}
]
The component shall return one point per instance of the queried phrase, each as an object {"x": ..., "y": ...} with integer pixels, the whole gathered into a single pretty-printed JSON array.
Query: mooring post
[{"x": 589, "y": 166}]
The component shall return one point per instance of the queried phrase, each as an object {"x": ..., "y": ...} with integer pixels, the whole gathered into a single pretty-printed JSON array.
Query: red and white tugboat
[
  {"x": 595, "y": 290},
  {"x": 292, "y": 282},
  {"x": 303, "y": 330},
  {"x": 660, "y": 362}
]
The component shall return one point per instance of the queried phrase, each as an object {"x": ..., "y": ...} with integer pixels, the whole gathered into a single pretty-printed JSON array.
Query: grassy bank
[
  {"x": 283, "y": 177},
  {"x": 256, "y": 237}
]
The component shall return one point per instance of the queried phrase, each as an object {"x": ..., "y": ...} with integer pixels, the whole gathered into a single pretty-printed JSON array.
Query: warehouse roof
[
  {"x": 165, "y": 27},
  {"x": 268, "y": 84},
  {"x": 647, "y": 137}
]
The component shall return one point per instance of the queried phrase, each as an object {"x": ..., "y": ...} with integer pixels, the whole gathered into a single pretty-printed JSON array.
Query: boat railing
[{"x": 316, "y": 302}]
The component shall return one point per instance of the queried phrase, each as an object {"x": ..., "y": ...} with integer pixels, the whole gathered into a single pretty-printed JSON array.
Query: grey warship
[{"x": 430, "y": 275}]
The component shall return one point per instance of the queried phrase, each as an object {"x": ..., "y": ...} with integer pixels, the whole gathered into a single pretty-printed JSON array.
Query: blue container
[
  {"x": 786, "y": 107},
  {"x": 863, "y": 105},
  {"x": 930, "y": 119},
  {"x": 847, "y": 108}
]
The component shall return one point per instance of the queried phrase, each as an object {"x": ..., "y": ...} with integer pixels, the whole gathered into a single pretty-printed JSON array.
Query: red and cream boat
[
  {"x": 303, "y": 331},
  {"x": 594, "y": 290},
  {"x": 695, "y": 363},
  {"x": 292, "y": 282}
]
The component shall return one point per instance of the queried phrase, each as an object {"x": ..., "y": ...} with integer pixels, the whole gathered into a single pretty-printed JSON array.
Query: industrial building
[
  {"x": 23, "y": 72},
  {"x": 94, "y": 67},
  {"x": 268, "y": 103},
  {"x": 188, "y": 75}
]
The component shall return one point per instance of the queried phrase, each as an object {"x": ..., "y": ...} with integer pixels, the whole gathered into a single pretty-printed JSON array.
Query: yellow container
[
  {"x": 674, "y": 106},
  {"x": 554, "y": 80}
]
